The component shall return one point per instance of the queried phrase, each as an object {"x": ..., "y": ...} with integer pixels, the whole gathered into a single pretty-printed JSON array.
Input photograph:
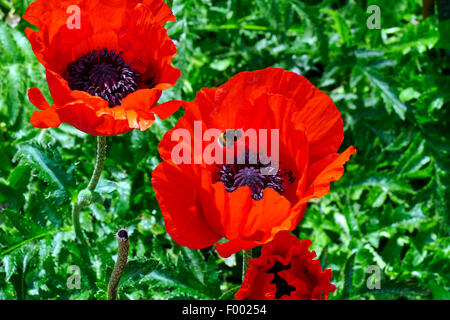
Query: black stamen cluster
[
  {"x": 250, "y": 174},
  {"x": 104, "y": 74},
  {"x": 283, "y": 288}
]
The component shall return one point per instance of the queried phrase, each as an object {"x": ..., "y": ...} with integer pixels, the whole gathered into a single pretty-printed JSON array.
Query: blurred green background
[{"x": 389, "y": 210}]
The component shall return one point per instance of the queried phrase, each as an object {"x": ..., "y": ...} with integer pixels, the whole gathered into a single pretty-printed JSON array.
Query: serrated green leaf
[
  {"x": 340, "y": 25},
  {"x": 389, "y": 95},
  {"x": 48, "y": 165},
  {"x": 348, "y": 273},
  {"x": 137, "y": 269}
]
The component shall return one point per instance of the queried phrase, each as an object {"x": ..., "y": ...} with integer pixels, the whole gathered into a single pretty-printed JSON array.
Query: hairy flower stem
[
  {"x": 85, "y": 200},
  {"x": 99, "y": 163},
  {"x": 76, "y": 221},
  {"x": 121, "y": 263},
  {"x": 247, "y": 255}
]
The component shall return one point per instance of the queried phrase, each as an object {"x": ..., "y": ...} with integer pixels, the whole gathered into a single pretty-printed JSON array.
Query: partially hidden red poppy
[
  {"x": 106, "y": 62},
  {"x": 205, "y": 202},
  {"x": 286, "y": 271}
]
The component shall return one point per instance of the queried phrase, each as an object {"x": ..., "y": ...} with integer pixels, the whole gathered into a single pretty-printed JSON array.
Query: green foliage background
[{"x": 390, "y": 209}]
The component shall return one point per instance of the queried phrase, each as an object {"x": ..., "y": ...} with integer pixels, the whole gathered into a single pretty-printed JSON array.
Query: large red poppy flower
[
  {"x": 286, "y": 271},
  {"x": 202, "y": 203},
  {"x": 106, "y": 61}
]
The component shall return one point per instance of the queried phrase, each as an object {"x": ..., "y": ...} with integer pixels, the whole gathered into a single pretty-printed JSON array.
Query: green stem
[
  {"x": 4, "y": 4},
  {"x": 247, "y": 255},
  {"x": 99, "y": 164},
  {"x": 39, "y": 236},
  {"x": 83, "y": 202},
  {"x": 76, "y": 221},
  {"x": 121, "y": 263}
]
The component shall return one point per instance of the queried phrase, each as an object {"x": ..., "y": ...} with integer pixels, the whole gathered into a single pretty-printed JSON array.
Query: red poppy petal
[
  {"x": 197, "y": 110},
  {"x": 321, "y": 173},
  {"x": 69, "y": 45},
  {"x": 135, "y": 111},
  {"x": 184, "y": 219},
  {"x": 256, "y": 285},
  {"x": 323, "y": 124},
  {"x": 142, "y": 100},
  {"x": 281, "y": 245},
  {"x": 84, "y": 118},
  {"x": 37, "y": 98},
  {"x": 322, "y": 291},
  {"x": 59, "y": 88},
  {"x": 52, "y": 15},
  {"x": 246, "y": 221},
  {"x": 37, "y": 45},
  {"x": 49, "y": 15},
  {"x": 160, "y": 11},
  {"x": 165, "y": 110},
  {"x": 152, "y": 58},
  {"x": 62, "y": 94},
  {"x": 137, "y": 108},
  {"x": 45, "y": 119},
  {"x": 319, "y": 116},
  {"x": 112, "y": 15},
  {"x": 81, "y": 116},
  {"x": 226, "y": 249}
]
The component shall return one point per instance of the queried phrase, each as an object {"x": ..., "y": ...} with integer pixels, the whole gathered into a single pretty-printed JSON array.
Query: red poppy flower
[
  {"x": 106, "y": 61},
  {"x": 202, "y": 203},
  {"x": 286, "y": 271}
]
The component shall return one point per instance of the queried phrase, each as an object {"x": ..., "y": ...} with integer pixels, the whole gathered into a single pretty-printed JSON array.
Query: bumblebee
[{"x": 229, "y": 137}]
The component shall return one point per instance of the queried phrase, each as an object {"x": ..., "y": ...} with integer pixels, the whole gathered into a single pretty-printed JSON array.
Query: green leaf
[
  {"x": 409, "y": 94},
  {"x": 388, "y": 94},
  {"x": 10, "y": 266},
  {"x": 421, "y": 37},
  {"x": 106, "y": 186},
  {"x": 348, "y": 273},
  {"x": 137, "y": 270},
  {"x": 439, "y": 292},
  {"x": 23, "y": 224},
  {"x": 340, "y": 25},
  {"x": 394, "y": 289},
  {"x": 221, "y": 65},
  {"x": 19, "y": 177},
  {"x": 8, "y": 50},
  {"x": 48, "y": 164},
  {"x": 229, "y": 294},
  {"x": 13, "y": 87},
  {"x": 17, "y": 61},
  {"x": 385, "y": 183},
  {"x": 195, "y": 260}
]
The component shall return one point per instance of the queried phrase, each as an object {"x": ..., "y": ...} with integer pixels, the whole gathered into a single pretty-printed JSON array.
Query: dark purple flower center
[
  {"x": 104, "y": 74},
  {"x": 283, "y": 288},
  {"x": 254, "y": 174}
]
